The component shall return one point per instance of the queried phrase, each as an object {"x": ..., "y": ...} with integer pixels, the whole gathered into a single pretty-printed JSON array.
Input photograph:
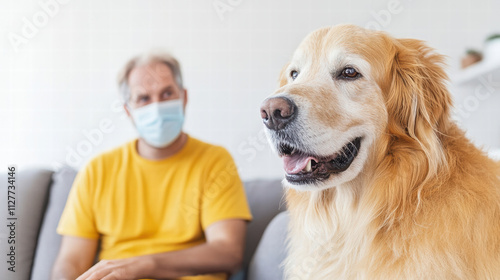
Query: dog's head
[{"x": 347, "y": 95}]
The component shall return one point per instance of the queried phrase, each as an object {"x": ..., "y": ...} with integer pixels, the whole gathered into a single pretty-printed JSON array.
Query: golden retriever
[{"x": 380, "y": 182}]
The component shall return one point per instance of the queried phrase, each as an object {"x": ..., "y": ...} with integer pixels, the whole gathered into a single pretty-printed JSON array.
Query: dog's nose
[{"x": 277, "y": 112}]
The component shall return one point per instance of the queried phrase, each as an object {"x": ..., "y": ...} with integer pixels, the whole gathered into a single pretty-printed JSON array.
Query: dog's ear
[
  {"x": 416, "y": 95},
  {"x": 417, "y": 100},
  {"x": 283, "y": 78}
]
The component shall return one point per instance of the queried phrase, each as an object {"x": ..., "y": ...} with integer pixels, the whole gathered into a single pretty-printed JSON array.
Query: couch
[{"x": 40, "y": 196}]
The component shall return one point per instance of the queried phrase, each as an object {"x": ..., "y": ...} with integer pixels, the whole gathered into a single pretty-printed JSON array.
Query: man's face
[{"x": 153, "y": 82}]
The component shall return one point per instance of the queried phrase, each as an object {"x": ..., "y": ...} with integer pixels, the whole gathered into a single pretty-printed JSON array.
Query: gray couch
[{"x": 40, "y": 196}]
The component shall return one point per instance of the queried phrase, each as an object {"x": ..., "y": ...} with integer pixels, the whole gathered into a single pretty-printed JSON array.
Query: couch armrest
[{"x": 31, "y": 189}]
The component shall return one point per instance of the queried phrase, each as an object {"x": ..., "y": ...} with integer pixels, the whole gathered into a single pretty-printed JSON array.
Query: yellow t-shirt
[{"x": 139, "y": 206}]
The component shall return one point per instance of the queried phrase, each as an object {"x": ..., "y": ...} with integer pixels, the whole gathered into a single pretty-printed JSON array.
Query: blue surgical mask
[{"x": 159, "y": 123}]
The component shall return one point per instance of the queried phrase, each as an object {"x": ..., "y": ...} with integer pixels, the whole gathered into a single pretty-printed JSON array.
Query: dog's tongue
[{"x": 295, "y": 163}]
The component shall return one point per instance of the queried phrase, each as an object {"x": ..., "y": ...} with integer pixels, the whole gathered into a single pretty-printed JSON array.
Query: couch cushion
[
  {"x": 267, "y": 261},
  {"x": 265, "y": 198},
  {"x": 49, "y": 241},
  {"x": 31, "y": 189}
]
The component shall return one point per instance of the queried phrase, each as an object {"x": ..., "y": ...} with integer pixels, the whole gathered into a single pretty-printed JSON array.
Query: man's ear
[
  {"x": 416, "y": 96},
  {"x": 283, "y": 77},
  {"x": 185, "y": 99}
]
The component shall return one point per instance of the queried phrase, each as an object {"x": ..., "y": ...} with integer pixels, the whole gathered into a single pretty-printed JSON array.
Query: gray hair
[{"x": 144, "y": 59}]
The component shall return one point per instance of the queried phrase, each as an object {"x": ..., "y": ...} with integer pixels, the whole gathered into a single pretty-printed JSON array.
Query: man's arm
[
  {"x": 75, "y": 257},
  {"x": 223, "y": 252}
]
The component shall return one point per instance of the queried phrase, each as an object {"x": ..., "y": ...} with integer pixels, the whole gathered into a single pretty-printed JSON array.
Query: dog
[{"x": 380, "y": 182}]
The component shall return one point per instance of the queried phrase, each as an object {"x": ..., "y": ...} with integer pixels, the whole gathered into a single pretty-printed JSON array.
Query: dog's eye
[
  {"x": 349, "y": 73},
  {"x": 294, "y": 74}
]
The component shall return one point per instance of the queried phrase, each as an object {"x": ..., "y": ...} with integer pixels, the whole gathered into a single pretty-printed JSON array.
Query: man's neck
[{"x": 149, "y": 152}]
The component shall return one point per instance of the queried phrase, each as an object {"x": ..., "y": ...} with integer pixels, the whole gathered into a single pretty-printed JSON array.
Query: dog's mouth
[{"x": 304, "y": 168}]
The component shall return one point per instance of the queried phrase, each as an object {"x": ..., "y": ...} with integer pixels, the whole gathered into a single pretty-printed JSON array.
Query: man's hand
[{"x": 121, "y": 269}]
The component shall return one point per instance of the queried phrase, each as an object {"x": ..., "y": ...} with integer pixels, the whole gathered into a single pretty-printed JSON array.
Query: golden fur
[{"x": 426, "y": 203}]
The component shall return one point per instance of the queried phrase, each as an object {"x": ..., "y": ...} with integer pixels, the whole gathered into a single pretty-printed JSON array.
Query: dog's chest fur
[
  {"x": 332, "y": 237},
  {"x": 326, "y": 241}
]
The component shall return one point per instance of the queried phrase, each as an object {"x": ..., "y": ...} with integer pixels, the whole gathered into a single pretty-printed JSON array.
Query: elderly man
[{"x": 165, "y": 205}]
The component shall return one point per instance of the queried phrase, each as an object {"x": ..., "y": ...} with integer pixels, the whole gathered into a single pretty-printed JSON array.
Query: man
[{"x": 165, "y": 205}]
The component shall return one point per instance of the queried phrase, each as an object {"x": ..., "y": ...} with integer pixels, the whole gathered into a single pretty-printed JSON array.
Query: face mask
[{"x": 159, "y": 123}]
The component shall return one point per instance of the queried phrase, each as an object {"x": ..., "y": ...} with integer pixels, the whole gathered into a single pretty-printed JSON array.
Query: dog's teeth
[
  {"x": 308, "y": 167},
  {"x": 293, "y": 152}
]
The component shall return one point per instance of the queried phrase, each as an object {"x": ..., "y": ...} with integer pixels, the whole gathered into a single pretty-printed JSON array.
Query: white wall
[{"x": 60, "y": 84}]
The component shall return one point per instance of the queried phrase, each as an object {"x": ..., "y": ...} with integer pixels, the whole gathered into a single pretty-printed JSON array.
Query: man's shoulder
[
  {"x": 209, "y": 149},
  {"x": 115, "y": 154}
]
